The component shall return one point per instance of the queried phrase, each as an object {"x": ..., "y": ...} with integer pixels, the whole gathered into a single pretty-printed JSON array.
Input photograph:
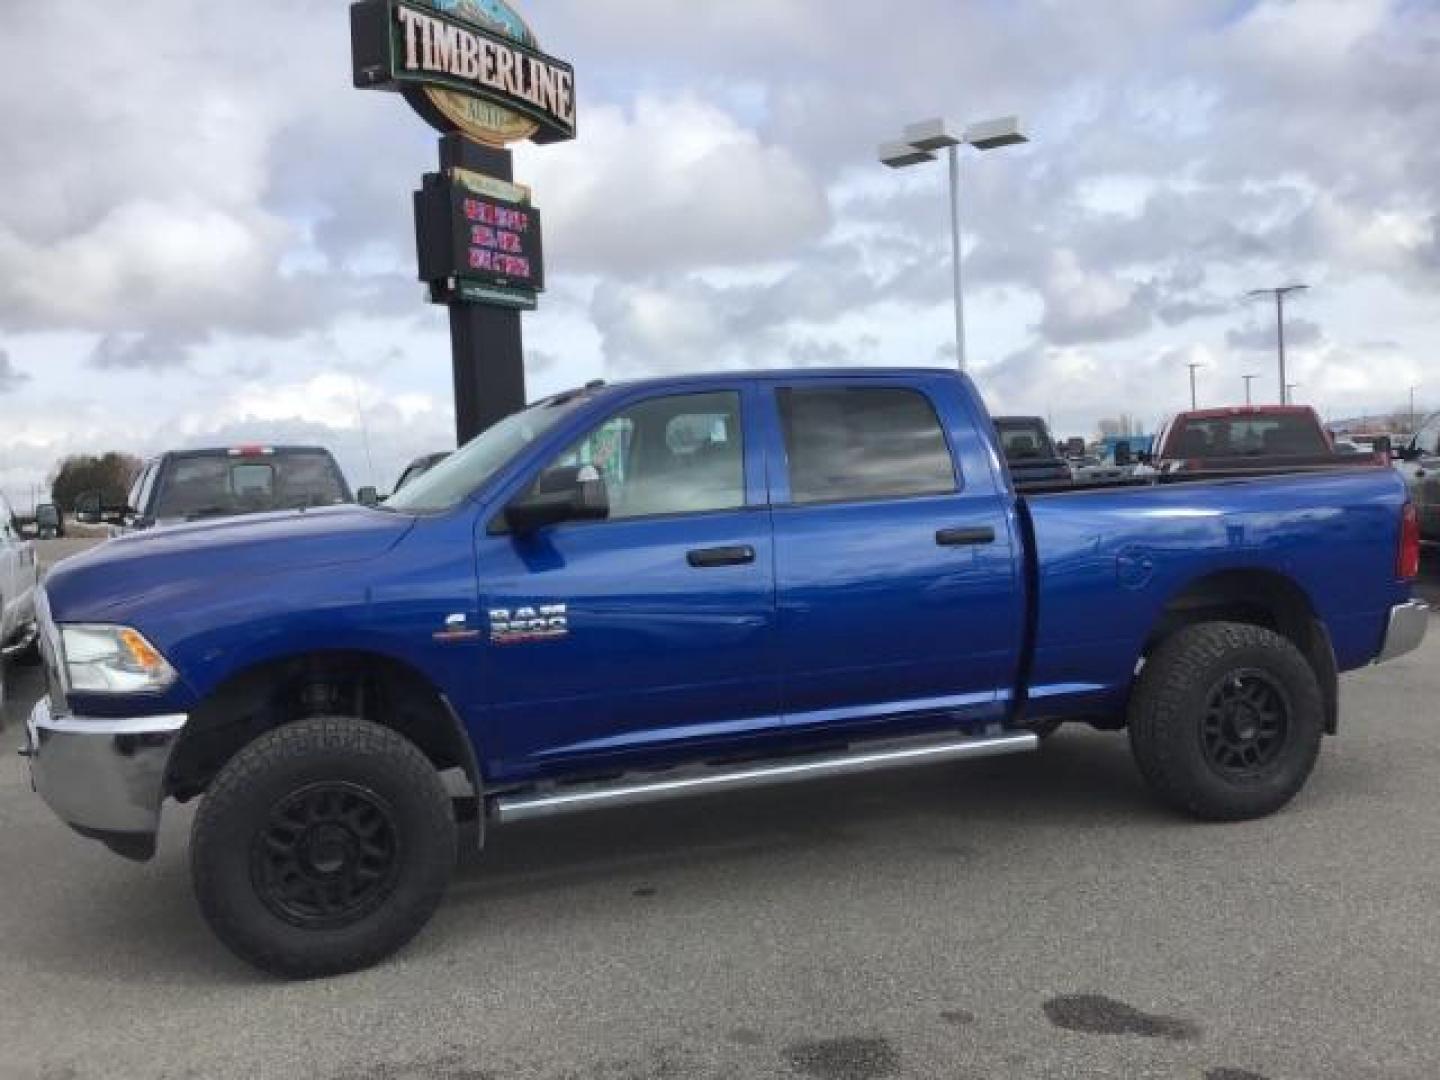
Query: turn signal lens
[
  {"x": 144, "y": 655},
  {"x": 1408, "y": 564}
]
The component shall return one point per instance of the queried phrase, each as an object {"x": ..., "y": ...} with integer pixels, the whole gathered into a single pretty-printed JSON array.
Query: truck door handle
[
  {"x": 965, "y": 537},
  {"x": 705, "y": 558}
]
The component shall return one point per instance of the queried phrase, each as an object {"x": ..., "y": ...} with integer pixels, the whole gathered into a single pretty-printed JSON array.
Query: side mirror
[
  {"x": 88, "y": 510},
  {"x": 568, "y": 493},
  {"x": 368, "y": 496},
  {"x": 1123, "y": 454}
]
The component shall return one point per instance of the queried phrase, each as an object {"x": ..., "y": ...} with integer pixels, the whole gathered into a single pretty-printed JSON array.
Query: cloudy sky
[{"x": 205, "y": 232}]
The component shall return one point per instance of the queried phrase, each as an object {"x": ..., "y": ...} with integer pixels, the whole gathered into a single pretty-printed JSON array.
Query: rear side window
[{"x": 848, "y": 444}]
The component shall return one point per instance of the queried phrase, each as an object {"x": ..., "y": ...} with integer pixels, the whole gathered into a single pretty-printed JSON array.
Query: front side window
[
  {"x": 1427, "y": 441},
  {"x": 862, "y": 443},
  {"x": 673, "y": 455}
]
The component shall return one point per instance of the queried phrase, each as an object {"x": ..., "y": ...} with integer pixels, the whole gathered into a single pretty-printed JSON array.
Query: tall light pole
[
  {"x": 1194, "y": 401},
  {"x": 919, "y": 145},
  {"x": 1280, "y": 294},
  {"x": 1412, "y": 408},
  {"x": 1248, "y": 380}
]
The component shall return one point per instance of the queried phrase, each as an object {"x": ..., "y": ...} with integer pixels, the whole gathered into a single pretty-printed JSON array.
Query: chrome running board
[{"x": 577, "y": 798}]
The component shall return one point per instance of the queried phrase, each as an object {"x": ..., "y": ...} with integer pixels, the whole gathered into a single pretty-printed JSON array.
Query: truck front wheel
[
  {"x": 1226, "y": 721},
  {"x": 322, "y": 847}
]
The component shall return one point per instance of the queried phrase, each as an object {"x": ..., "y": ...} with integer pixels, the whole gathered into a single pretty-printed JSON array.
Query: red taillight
[{"x": 1407, "y": 566}]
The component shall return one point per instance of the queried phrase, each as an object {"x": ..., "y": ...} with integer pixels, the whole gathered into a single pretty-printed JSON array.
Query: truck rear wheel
[
  {"x": 322, "y": 847},
  {"x": 1226, "y": 721}
]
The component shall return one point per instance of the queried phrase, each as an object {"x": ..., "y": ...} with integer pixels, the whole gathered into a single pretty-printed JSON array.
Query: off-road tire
[
  {"x": 237, "y": 815},
  {"x": 1172, "y": 720}
]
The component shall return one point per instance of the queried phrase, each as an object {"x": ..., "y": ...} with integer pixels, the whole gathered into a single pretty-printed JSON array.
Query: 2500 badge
[{"x": 517, "y": 626}]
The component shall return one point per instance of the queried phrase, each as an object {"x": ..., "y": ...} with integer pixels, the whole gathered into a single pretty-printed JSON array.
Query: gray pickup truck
[
  {"x": 1420, "y": 465},
  {"x": 193, "y": 485}
]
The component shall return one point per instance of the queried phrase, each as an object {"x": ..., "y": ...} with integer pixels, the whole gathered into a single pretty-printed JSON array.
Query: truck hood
[{"x": 142, "y": 568}]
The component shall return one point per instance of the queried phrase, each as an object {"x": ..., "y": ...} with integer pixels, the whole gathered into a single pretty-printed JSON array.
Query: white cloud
[
  {"x": 672, "y": 183},
  {"x": 210, "y": 243},
  {"x": 1086, "y": 304},
  {"x": 11, "y": 378}
]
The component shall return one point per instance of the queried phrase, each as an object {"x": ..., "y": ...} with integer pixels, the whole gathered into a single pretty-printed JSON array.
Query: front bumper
[
  {"x": 1405, "y": 631},
  {"x": 104, "y": 778}
]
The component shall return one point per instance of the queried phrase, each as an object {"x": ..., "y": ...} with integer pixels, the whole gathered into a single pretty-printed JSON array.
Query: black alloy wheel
[
  {"x": 327, "y": 856},
  {"x": 322, "y": 847},
  {"x": 1247, "y": 719},
  {"x": 1226, "y": 720}
]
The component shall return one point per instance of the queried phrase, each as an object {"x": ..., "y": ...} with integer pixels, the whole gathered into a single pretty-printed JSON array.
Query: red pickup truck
[{"x": 1269, "y": 438}]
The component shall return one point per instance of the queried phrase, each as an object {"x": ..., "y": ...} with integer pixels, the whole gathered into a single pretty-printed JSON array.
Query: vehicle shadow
[
  {"x": 1078, "y": 779},
  {"x": 904, "y": 821}
]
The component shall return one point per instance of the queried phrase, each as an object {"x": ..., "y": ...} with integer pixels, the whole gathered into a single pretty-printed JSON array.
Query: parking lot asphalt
[{"x": 1036, "y": 916}]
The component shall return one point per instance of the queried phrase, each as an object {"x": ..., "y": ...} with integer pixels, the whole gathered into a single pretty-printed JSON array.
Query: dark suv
[{"x": 1030, "y": 452}]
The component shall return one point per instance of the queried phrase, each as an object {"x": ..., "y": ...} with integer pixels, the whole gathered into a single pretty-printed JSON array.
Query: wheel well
[
  {"x": 1260, "y": 598},
  {"x": 363, "y": 685}
]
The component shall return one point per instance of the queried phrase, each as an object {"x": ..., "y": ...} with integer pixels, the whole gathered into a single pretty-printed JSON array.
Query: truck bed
[
  {"x": 1108, "y": 560},
  {"x": 1288, "y": 467}
]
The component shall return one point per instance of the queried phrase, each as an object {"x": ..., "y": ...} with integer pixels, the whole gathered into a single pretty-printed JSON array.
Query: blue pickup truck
[{"x": 678, "y": 587}]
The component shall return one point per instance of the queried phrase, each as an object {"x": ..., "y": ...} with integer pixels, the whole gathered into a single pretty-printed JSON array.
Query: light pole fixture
[
  {"x": 1280, "y": 294},
  {"x": 1194, "y": 401},
  {"x": 1248, "y": 380},
  {"x": 921, "y": 143}
]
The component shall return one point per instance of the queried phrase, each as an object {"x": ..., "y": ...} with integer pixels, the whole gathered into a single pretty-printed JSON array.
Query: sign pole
[
  {"x": 476, "y": 74},
  {"x": 486, "y": 345}
]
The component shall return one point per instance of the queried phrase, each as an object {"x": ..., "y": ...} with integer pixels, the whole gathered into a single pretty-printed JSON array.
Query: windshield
[
  {"x": 1278, "y": 435},
  {"x": 213, "y": 485},
  {"x": 457, "y": 477}
]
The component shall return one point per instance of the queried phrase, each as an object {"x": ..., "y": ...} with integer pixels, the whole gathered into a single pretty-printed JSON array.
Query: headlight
[{"x": 113, "y": 660}]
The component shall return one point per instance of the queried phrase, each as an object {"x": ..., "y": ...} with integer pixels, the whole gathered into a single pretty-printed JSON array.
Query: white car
[{"x": 19, "y": 575}]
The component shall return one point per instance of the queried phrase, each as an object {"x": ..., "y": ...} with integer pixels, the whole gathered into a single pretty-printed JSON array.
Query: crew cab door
[
  {"x": 897, "y": 575},
  {"x": 654, "y": 629}
]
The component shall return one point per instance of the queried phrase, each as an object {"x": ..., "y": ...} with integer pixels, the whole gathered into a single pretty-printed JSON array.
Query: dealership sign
[
  {"x": 479, "y": 240},
  {"x": 470, "y": 66}
]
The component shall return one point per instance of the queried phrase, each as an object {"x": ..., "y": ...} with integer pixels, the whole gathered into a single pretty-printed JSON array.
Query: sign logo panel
[{"x": 471, "y": 66}]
